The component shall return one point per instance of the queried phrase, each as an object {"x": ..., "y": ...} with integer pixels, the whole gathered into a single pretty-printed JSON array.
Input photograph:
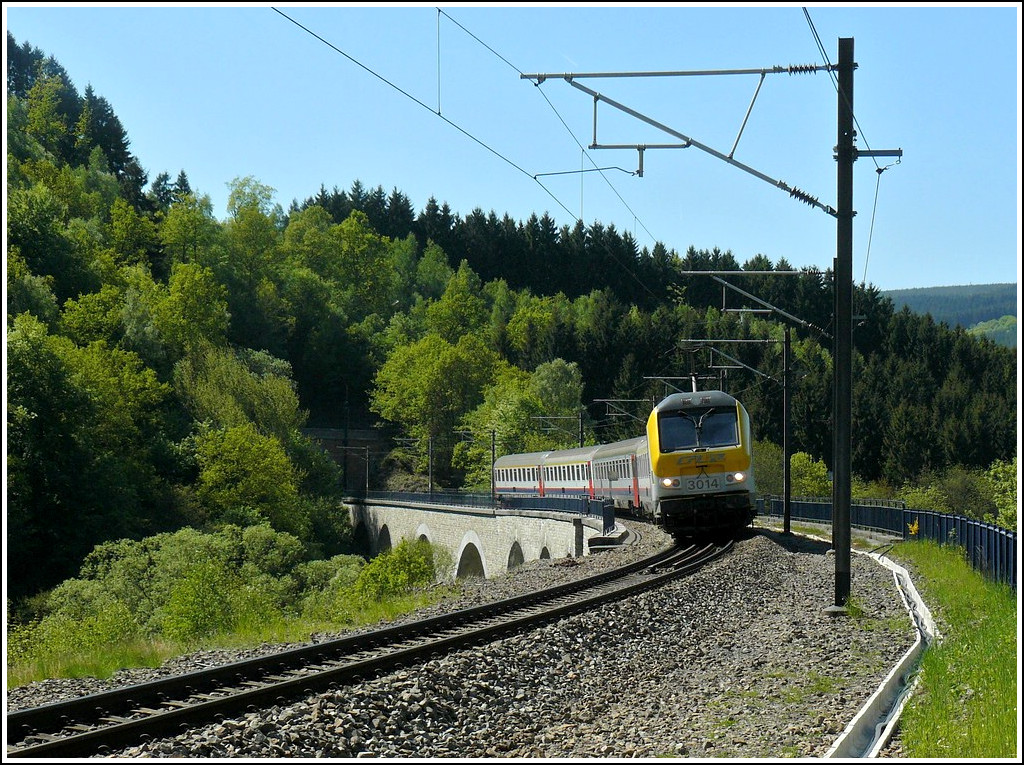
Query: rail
[{"x": 103, "y": 722}]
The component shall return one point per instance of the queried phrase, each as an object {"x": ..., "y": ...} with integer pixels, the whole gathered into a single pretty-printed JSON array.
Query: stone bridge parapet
[{"x": 483, "y": 541}]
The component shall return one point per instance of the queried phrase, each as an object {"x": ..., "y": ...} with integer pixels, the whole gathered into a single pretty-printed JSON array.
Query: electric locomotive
[
  {"x": 691, "y": 472},
  {"x": 702, "y": 477}
]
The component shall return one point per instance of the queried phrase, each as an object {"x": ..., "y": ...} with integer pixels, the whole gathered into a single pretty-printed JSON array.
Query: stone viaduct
[{"x": 483, "y": 541}]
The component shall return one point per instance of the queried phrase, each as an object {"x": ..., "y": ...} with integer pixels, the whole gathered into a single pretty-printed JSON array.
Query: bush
[
  {"x": 397, "y": 571},
  {"x": 808, "y": 476},
  {"x": 957, "y": 491},
  {"x": 183, "y": 586},
  {"x": 201, "y": 603},
  {"x": 64, "y": 635},
  {"x": 1002, "y": 479},
  {"x": 330, "y": 529},
  {"x": 328, "y": 587},
  {"x": 878, "y": 489}
]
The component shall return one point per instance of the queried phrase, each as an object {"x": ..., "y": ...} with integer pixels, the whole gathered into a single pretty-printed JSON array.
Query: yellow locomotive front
[{"x": 702, "y": 470}]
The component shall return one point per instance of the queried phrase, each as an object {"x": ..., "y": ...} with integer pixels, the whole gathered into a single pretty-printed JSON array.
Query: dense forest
[
  {"x": 163, "y": 366},
  {"x": 984, "y": 310},
  {"x": 965, "y": 305}
]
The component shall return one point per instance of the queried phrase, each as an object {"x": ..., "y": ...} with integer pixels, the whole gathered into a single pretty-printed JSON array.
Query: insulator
[
  {"x": 802, "y": 69},
  {"x": 803, "y": 196}
]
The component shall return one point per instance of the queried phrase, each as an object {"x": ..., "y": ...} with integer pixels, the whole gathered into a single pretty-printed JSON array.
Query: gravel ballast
[{"x": 739, "y": 659}]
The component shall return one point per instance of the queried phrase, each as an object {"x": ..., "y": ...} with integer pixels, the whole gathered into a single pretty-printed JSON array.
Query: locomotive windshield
[{"x": 697, "y": 428}]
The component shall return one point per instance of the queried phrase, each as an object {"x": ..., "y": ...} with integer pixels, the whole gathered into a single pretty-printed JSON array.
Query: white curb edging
[{"x": 872, "y": 728}]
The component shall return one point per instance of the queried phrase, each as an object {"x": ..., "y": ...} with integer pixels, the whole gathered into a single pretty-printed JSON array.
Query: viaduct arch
[{"x": 484, "y": 541}]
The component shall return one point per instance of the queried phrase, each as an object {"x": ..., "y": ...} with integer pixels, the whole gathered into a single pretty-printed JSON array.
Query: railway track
[{"x": 104, "y": 722}]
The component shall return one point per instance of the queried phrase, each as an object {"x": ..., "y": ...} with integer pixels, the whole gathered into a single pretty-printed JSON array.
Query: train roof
[
  {"x": 527, "y": 459},
  {"x": 564, "y": 456},
  {"x": 550, "y": 457},
  {"x": 699, "y": 398},
  {"x": 568, "y": 456},
  {"x": 618, "y": 448}
]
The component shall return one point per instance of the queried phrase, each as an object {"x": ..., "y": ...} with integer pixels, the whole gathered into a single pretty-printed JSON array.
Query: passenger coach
[{"x": 692, "y": 472}]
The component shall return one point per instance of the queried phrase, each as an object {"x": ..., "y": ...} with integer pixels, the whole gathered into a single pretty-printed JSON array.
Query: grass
[
  {"x": 103, "y": 661},
  {"x": 966, "y": 702},
  {"x": 100, "y": 663},
  {"x": 812, "y": 684}
]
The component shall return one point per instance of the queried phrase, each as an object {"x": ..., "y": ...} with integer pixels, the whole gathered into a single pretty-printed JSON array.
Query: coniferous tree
[
  {"x": 24, "y": 62},
  {"x": 400, "y": 216},
  {"x": 375, "y": 208},
  {"x": 436, "y": 224},
  {"x": 161, "y": 193},
  {"x": 182, "y": 188}
]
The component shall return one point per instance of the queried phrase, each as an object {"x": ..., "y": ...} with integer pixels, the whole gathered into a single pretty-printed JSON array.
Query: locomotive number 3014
[{"x": 703, "y": 483}]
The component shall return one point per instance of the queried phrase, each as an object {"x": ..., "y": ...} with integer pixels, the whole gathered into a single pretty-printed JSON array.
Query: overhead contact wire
[
  {"x": 519, "y": 71},
  {"x": 425, "y": 106},
  {"x": 516, "y": 69}
]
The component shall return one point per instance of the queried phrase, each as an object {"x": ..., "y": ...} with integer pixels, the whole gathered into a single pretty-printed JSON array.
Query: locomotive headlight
[
  {"x": 739, "y": 477},
  {"x": 670, "y": 483}
]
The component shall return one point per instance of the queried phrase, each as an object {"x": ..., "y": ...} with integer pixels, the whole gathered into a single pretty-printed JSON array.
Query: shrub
[
  {"x": 201, "y": 603},
  {"x": 1002, "y": 479},
  {"x": 328, "y": 586},
  {"x": 809, "y": 477},
  {"x": 61, "y": 634},
  {"x": 768, "y": 459},
  {"x": 397, "y": 571}
]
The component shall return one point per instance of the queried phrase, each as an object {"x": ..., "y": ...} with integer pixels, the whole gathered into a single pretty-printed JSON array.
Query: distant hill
[
  {"x": 966, "y": 305},
  {"x": 1002, "y": 331},
  {"x": 985, "y": 309}
]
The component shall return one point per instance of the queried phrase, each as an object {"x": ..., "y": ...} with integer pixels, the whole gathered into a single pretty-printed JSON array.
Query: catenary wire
[
  {"x": 558, "y": 115},
  {"x": 516, "y": 69},
  {"x": 413, "y": 98},
  {"x": 457, "y": 127},
  {"x": 878, "y": 169}
]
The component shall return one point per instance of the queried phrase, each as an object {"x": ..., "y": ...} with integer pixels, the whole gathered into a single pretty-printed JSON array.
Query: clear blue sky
[{"x": 354, "y": 94}]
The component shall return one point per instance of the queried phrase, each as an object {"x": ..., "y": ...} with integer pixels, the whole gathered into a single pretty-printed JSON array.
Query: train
[{"x": 692, "y": 472}]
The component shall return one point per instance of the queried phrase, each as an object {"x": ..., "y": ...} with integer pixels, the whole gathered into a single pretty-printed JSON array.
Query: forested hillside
[
  {"x": 1002, "y": 331},
  {"x": 985, "y": 310},
  {"x": 163, "y": 364},
  {"x": 966, "y": 305}
]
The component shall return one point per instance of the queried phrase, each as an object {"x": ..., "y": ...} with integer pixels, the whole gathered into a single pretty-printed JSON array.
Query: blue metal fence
[{"x": 991, "y": 550}]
